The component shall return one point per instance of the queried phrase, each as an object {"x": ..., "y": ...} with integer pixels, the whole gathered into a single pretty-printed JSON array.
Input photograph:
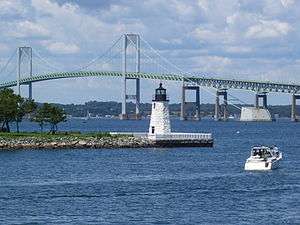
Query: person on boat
[{"x": 260, "y": 153}]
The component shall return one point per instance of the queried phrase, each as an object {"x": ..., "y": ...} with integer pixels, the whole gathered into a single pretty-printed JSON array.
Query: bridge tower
[
  {"x": 184, "y": 104},
  {"x": 218, "y": 113},
  {"x": 263, "y": 96},
  {"x": 24, "y": 59},
  {"x": 130, "y": 39},
  {"x": 294, "y": 110}
]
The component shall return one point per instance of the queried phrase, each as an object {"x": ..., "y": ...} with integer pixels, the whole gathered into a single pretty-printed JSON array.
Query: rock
[
  {"x": 74, "y": 142},
  {"x": 53, "y": 143},
  {"x": 81, "y": 142}
]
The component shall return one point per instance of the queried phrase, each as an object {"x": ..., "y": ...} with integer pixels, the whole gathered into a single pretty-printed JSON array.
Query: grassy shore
[
  {"x": 58, "y": 135},
  {"x": 35, "y": 140}
]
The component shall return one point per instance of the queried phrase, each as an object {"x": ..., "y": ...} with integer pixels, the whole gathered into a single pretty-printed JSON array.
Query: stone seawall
[
  {"x": 74, "y": 142},
  {"x": 91, "y": 142}
]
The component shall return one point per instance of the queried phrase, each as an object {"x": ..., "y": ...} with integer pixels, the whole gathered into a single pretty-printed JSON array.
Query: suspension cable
[
  {"x": 145, "y": 54},
  {"x": 98, "y": 57},
  {"x": 111, "y": 58},
  {"x": 49, "y": 65},
  {"x": 8, "y": 61},
  {"x": 182, "y": 72}
]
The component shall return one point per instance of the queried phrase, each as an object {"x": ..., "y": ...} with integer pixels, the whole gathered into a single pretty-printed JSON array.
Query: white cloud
[
  {"x": 228, "y": 36},
  {"x": 206, "y": 34},
  {"x": 287, "y": 3},
  {"x": 27, "y": 28},
  {"x": 183, "y": 8},
  {"x": 174, "y": 41},
  {"x": 268, "y": 29},
  {"x": 238, "y": 49},
  {"x": 62, "y": 48},
  {"x": 203, "y": 4},
  {"x": 11, "y": 8},
  {"x": 211, "y": 64},
  {"x": 3, "y": 47}
]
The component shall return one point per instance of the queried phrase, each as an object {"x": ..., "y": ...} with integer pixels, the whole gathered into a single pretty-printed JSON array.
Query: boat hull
[{"x": 263, "y": 165}]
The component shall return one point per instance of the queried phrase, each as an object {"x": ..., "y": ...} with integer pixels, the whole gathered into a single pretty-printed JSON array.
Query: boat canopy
[{"x": 264, "y": 151}]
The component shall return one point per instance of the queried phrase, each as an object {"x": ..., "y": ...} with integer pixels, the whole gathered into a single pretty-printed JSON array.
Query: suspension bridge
[{"x": 125, "y": 58}]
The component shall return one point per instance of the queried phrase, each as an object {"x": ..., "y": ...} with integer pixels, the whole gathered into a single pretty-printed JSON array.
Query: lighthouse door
[{"x": 152, "y": 129}]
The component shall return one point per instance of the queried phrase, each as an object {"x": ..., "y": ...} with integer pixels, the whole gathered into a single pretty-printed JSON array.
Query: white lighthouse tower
[{"x": 160, "y": 120}]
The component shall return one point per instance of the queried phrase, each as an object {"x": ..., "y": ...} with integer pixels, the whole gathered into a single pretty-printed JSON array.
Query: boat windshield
[{"x": 262, "y": 152}]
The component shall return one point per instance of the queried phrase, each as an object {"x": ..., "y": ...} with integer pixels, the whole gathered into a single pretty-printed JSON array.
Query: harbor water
[{"x": 154, "y": 186}]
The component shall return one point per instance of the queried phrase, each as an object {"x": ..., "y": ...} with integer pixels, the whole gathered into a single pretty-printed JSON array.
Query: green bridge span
[{"x": 257, "y": 86}]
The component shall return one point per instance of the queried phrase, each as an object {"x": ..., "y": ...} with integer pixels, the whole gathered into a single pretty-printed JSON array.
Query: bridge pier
[
  {"x": 294, "y": 105},
  {"x": 263, "y": 96},
  {"x": 184, "y": 104},
  {"x": 30, "y": 91},
  {"x": 133, "y": 39},
  {"x": 218, "y": 113},
  {"x": 24, "y": 52}
]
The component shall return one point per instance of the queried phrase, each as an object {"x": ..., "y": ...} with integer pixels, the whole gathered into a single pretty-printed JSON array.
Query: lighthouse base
[
  {"x": 171, "y": 140},
  {"x": 182, "y": 139}
]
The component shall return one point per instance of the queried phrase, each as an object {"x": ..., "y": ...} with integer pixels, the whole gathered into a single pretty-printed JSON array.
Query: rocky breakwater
[{"x": 67, "y": 142}]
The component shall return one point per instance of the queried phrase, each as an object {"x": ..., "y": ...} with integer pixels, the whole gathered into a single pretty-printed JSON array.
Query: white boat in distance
[{"x": 263, "y": 158}]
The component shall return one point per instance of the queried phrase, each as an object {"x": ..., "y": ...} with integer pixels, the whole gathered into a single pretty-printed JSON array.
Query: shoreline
[
  {"x": 14, "y": 141},
  {"x": 19, "y": 141}
]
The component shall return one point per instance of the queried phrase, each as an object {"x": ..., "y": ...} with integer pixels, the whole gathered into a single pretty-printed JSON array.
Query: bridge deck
[{"x": 201, "y": 81}]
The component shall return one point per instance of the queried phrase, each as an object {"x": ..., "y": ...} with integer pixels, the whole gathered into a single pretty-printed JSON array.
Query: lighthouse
[
  {"x": 160, "y": 120},
  {"x": 160, "y": 129}
]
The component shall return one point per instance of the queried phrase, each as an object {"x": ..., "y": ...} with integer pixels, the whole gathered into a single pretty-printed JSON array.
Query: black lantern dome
[{"x": 160, "y": 94}]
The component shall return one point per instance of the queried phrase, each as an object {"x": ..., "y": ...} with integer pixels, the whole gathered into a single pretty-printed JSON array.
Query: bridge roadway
[{"x": 256, "y": 86}]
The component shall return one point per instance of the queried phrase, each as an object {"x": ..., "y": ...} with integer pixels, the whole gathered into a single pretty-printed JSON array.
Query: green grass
[{"x": 57, "y": 135}]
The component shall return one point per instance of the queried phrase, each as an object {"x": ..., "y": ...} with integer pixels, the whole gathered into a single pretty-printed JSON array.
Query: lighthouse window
[
  {"x": 152, "y": 129},
  {"x": 153, "y": 105}
]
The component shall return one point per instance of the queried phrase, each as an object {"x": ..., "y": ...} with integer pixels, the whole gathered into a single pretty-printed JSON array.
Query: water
[{"x": 154, "y": 186}]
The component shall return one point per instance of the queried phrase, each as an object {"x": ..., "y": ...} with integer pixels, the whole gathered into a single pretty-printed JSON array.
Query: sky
[{"x": 241, "y": 39}]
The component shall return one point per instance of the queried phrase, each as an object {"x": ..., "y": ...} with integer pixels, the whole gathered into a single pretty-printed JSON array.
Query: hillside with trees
[{"x": 114, "y": 108}]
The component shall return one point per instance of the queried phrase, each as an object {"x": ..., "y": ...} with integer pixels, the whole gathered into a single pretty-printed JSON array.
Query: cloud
[
  {"x": 287, "y": 3},
  {"x": 173, "y": 41},
  {"x": 11, "y": 9},
  {"x": 183, "y": 8},
  {"x": 3, "y": 47},
  {"x": 238, "y": 49},
  {"x": 212, "y": 35},
  {"x": 243, "y": 37},
  {"x": 268, "y": 29},
  {"x": 211, "y": 64},
  {"x": 28, "y": 29},
  {"x": 62, "y": 48}
]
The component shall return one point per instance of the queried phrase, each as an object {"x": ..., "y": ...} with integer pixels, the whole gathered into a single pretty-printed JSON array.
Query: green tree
[
  {"x": 56, "y": 116},
  {"x": 40, "y": 117},
  {"x": 9, "y": 103},
  {"x": 13, "y": 108},
  {"x": 51, "y": 114},
  {"x": 25, "y": 107}
]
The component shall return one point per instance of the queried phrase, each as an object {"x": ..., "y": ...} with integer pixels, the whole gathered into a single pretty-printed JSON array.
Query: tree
[
  {"x": 25, "y": 107},
  {"x": 56, "y": 115},
  {"x": 40, "y": 118},
  {"x": 13, "y": 108},
  {"x": 51, "y": 114},
  {"x": 9, "y": 103}
]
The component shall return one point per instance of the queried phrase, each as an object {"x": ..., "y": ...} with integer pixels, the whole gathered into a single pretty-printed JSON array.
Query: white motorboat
[{"x": 263, "y": 158}]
